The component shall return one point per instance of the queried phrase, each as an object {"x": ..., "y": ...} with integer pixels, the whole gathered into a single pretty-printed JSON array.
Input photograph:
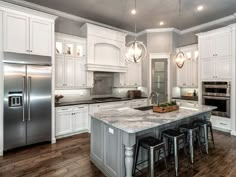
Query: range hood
[{"x": 106, "y": 68}]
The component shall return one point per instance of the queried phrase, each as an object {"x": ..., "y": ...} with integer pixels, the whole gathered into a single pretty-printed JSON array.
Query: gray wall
[{"x": 67, "y": 26}]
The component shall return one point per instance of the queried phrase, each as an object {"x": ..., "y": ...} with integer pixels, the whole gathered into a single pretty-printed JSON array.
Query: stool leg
[
  {"x": 198, "y": 142},
  {"x": 176, "y": 156},
  {"x": 191, "y": 145},
  {"x": 165, "y": 161},
  {"x": 212, "y": 137},
  {"x": 206, "y": 137},
  {"x": 151, "y": 161}
]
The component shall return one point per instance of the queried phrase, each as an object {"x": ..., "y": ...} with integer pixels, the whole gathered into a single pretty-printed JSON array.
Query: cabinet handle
[{"x": 223, "y": 124}]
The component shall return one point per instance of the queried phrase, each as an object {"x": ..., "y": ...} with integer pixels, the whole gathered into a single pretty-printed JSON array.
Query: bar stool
[
  {"x": 153, "y": 145},
  {"x": 206, "y": 125},
  {"x": 174, "y": 136},
  {"x": 191, "y": 131}
]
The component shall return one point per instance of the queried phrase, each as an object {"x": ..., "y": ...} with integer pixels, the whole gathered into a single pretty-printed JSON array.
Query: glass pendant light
[
  {"x": 135, "y": 50},
  {"x": 180, "y": 57}
]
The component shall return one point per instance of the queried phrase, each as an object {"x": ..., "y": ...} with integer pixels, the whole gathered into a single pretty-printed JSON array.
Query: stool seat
[
  {"x": 150, "y": 142},
  {"x": 172, "y": 133},
  {"x": 201, "y": 122}
]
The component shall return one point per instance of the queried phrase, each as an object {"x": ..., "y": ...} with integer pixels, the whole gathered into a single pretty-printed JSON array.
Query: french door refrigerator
[{"x": 27, "y": 105}]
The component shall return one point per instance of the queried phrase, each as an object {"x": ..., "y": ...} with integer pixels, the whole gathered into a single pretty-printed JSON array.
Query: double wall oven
[{"x": 217, "y": 94}]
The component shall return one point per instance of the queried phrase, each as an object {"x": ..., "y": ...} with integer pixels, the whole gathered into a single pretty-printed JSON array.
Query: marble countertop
[{"x": 132, "y": 121}]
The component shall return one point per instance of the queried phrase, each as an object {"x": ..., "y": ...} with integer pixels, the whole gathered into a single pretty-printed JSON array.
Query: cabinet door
[
  {"x": 60, "y": 71},
  {"x": 80, "y": 72},
  {"x": 80, "y": 50},
  {"x": 40, "y": 37},
  {"x": 208, "y": 69},
  {"x": 16, "y": 33},
  {"x": 64, "y": 123},
  {"x": 59, "y": 47},
  {"x": 223, "y": 68},
  {"x": 69, "y": 49},
  {"x": 69, "y": 72},
  {"x": 222, "y": 44},
  {"x": 133, "y": 75},
  {"x": 80, "y": 121},
  {"x": 181, "y": 76},
  {"x": 205, "y": 47},
  {"x": 194, "y": 73}
]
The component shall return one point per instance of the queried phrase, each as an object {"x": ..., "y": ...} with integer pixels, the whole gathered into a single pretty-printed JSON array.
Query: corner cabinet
[
  {"x": 27, "y": 34},
  {"x": 187, "y": 76},
  {"x": 216, "y": 54},
  {"x": 71, "y": 62}
]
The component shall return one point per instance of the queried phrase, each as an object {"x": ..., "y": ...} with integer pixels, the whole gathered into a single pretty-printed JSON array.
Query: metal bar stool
[
  {"x": 205, "y": 125},
  {"x": 153, "y": 145},
  {"x": 174, "y": 136},
  {"x": 191, "y": 131}
]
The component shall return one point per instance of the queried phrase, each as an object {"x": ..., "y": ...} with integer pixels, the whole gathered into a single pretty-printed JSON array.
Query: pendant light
[
  {"x": 180, "y": 57},
  {"x": 135, "y": 50}
]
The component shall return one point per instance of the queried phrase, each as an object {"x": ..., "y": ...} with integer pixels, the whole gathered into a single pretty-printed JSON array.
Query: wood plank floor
[{"x": 70, "y": 158}]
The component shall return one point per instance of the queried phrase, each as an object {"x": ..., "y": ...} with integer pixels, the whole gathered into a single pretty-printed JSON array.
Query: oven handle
[{"x": 216, "y": 98}]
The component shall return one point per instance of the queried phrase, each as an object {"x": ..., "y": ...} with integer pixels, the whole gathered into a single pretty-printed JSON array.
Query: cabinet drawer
[
  {"x": 64, "y": 109},
  {"x": 221, "y": 123},
  {"x": 80, "y": 108}
]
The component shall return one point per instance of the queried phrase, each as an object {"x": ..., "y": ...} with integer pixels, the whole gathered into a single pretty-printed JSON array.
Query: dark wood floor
[{"x": 70, "y": 158}]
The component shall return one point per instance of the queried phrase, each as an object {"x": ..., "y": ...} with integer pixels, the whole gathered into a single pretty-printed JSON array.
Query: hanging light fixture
[
  {"x": 180, "y": 57},
  {"x": 135, "y": 50}
]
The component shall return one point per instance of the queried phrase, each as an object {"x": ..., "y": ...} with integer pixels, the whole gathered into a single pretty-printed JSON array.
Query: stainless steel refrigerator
[{"x": 27, "y": 105}]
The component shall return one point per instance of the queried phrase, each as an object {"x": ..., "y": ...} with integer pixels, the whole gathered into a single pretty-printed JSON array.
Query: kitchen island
[{"x": 114, "y": 133}]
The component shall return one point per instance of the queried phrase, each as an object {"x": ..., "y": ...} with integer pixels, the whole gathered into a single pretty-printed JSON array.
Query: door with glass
[{"x": 159, "y": 80}]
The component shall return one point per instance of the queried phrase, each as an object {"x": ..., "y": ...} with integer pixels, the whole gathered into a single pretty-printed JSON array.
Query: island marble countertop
[{"x": 132, "y": 121}]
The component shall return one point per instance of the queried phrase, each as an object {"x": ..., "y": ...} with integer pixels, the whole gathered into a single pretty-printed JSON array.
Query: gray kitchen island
[{"x": 114, "y": 134}]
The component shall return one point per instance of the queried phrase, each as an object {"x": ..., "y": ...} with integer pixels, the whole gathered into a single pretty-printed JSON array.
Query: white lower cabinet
[
  {"x": 71, "y": 120},
  {"x": 221, "y": 123}
]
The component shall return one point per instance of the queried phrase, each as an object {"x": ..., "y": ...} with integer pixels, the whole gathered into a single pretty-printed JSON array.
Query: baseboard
[
  {"x": 53, "y": 140},
  {"x": 233, "y": 133}
]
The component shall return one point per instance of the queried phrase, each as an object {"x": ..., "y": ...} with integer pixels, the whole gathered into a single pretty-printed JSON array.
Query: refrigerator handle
[
  {"x": 28, "y": 94},
  {"x": 23, "y": 98}
]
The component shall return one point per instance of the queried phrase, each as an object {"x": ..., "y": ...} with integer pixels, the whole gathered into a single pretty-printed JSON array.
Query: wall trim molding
[{"x": 154, "y": 30}]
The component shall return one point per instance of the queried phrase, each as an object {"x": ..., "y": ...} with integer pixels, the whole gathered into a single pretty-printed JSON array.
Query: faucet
[{"x": 154, "y": 98}]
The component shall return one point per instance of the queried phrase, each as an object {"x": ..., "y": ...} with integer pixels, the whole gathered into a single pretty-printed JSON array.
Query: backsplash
[
  {"x": 85, "y": 94},
  {"x": 177, "y": 91}
]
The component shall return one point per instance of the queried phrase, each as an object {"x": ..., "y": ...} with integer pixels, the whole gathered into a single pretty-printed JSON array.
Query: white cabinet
[
  {"x": 216, "y": 54},
  {"x": 132, "y": 78},
  {"x": 71, "y": 63},
  {"x": 40, "y": 37},
  {"x": 216, "y": 69},
  {"x": 221, "y": 123},
  {"x": 187, "y": 76},
  {"x": 27, "y": 35},
  {"x": 71, "y": 120},
  {"x": 64, "y": 125}
]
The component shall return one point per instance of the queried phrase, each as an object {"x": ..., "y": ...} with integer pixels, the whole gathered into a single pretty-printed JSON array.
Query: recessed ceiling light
[
  {"x": 161, "y": 23},
  {"x": 133, "y": 11},
  {"x": 200, "y": 8}
]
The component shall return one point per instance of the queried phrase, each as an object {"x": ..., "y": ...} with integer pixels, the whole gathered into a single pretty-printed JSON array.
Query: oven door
[
  {"x": 216, "y": 90},
  {"x": 222, "y": 104}
]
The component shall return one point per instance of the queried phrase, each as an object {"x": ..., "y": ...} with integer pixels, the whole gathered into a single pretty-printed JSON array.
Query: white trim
[
  {"x": 64, "y": 14},
  {"x": 166, "y": 56},
  {"x": 1, "y": 84},
  {"x": 5, "y": 6},
  {"x": 106, "y": 68},
  {"x": 84, "y": 20},
  {"x": 158, "y": 30}
]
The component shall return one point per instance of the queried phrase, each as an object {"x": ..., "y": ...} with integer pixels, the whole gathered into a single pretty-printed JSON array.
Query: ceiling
[{"x": 149, "y": 12}]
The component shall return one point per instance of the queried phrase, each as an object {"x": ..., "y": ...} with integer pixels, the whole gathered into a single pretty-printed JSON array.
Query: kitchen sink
[{"x": 145, "y": 108}]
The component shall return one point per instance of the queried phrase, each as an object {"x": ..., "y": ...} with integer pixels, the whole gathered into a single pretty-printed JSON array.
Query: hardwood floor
[{"x": 70, "y": 158}]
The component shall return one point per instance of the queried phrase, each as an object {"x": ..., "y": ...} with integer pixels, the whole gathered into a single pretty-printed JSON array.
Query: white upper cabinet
[
  {"x": 27, "y": 35},
  {"x": 187, "y": 76},
  {"x": 40, "y": 37},
  {"x": 216, "y": 54},
  {"x": 16, "y": 33},
  {"x": 106, "y": 49},
  {"x": 71, "y": 62}
]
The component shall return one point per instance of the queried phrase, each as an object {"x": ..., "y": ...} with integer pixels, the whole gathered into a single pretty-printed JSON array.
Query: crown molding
[
  {"x": 209, "y": 24},
  {"x": 63, "y": 14},
  {"x": 84, "y": 20}
]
